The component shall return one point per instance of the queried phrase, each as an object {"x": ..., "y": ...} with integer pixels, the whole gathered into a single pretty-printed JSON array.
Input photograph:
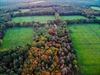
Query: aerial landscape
[{"x": 49, "y": 37}]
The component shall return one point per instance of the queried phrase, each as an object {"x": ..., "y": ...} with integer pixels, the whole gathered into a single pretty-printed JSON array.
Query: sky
[
  {"x": 52, "y": 0},
  {"x": 11, "y": 3}
]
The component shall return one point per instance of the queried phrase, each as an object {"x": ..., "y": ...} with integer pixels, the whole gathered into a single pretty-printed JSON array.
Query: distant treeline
[{"x": 82, "y": 21}]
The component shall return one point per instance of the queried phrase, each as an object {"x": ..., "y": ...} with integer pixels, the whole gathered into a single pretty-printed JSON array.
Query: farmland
[
  {"x": 86, "y": 41},
  {"x": 96, "y": 8},
  {"x": 17, "y": 37},
  {"x": 72, "y": 17},
  {"x": 42, "y": 19},
  {"x": 98, "y": 17}
]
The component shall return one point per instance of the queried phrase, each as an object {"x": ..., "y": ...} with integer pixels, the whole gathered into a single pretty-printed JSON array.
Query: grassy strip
[
  {"x": 98, "y": 17},
  {"x": 96, "y": 8}
]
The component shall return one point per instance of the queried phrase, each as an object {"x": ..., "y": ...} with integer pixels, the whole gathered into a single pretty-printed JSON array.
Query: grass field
[
  {"x": 96, "y": 8},
  {"x": 42, "y": 19},
  {"x": 98, "y": 17},
  {"x": 72, "y": 17},
  {"x": 17, "y": 36},
  {"x": 86, "y": 41},
  {"x": 24, "y": 10}
]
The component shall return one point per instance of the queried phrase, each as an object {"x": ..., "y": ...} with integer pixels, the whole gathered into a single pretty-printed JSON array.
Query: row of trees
[
  {"x": 32, "y": 13},
  {"x": 82, "y": 21},
  {"x": 23, "y": 24},
  {"x": 89, "y": 11},
  {"x": 5, "y": 18},
  {"x": 2, "y": 33}
]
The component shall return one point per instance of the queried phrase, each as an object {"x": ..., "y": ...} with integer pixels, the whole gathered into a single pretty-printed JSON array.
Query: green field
[
  {"x": 71, "y": 17},
  {"x": 16, "y": 37},
  {"x": 96, "y": 8},
  {"x": 42, "y": 19},
  {"x": 86, "y": 41},
  {"x": 98, "y": 17},
  {"x": 24, "y": 10}
]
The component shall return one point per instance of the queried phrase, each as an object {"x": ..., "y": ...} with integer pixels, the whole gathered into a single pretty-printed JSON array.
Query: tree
[{"x": 1, "y": 41}]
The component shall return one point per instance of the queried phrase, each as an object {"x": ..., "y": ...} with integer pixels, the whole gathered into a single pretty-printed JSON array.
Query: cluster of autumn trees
[
  {"x": 32, "y": 13},
  {"x": 51, "y": 54},
  {"x": 11, "y": 61}
]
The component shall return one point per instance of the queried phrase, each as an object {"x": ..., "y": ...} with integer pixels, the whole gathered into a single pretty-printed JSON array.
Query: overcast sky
[
  {"x": 14, "y": 2},
  {"x": 51, "y": 0}
]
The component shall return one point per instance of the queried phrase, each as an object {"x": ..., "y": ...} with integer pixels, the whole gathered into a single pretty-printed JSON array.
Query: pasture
[
  {"x": 17, "y": 37},
  {"x": 98, "y": 17},
  {"x": 42, "y": 19},
  {"x": 95, "y": 8},
  {"x": 71, "y": 17},
  {"x": 86, "y": 42}
]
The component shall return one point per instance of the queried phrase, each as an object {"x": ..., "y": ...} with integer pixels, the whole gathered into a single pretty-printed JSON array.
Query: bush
[{"x": 1, "y": 41}]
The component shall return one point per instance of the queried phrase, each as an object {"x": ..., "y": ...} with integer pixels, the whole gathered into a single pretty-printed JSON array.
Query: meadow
[
  {"x": 42, "y": 19},
  {"x": 95, "y": 8},
  {"x": 72, "y": 17},
  {"x": 17, "y": 37},
  {"x": 24, "y": 10},
  {"x": 86, "y": 42},
  {"x": 98, "y": 17}
]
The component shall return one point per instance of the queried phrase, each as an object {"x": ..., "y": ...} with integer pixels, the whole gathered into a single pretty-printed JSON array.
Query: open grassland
[
  {"x": 24, "y": 10},
  {"x": 98, "y": 17},
  {"x": 42, "y": 19},
  {"x": 96, "y": 8},
  {"x": 86, "y": 41},
  {"x": 17, "y": 37},
  {"x": 71, "y": 17}
]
